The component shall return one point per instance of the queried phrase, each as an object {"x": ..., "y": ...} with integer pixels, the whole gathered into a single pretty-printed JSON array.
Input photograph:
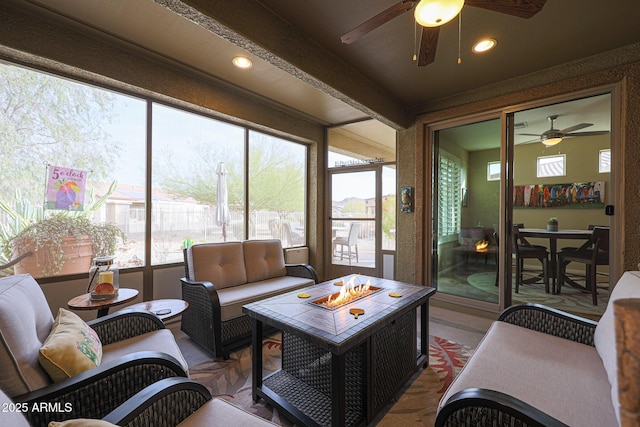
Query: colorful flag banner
[{"x": 65, "y": 188}]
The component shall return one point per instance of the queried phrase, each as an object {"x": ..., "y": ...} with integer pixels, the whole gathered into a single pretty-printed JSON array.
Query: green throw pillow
[{"x": 71, "y": 348}]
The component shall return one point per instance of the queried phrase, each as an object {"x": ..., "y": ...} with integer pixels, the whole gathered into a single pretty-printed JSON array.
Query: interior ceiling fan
[
  {"x": 429, "y": 34},
  {"x": 554, "y": 136}
]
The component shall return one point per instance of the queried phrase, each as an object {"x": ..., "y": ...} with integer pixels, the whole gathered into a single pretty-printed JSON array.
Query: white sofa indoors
[
  {"x": 222, "y": 277},
  {"x": 542, "y": 367}
]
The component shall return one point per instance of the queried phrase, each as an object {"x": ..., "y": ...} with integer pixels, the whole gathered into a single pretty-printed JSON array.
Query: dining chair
[
  {"x": 351, "y": 240},
  {"x": 522, "y": 250},
  {"x": 593, "y": 253}
]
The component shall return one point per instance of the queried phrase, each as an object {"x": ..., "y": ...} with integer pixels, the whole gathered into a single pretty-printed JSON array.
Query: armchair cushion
[
  {"x": 25, "y": 323},
  {"x": 218, "y": 263},
  {"x": 263, "y": 259},
  {"x": 160, "y": 340},
  {"x": 71, "y": 348}
]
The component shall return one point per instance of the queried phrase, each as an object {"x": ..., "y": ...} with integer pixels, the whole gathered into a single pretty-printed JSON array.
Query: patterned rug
[
  {"x": 571, "y": 299},
  {"x": 414, "y": 405}
]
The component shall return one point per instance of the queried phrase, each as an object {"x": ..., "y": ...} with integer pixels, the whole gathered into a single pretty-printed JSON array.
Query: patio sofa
[
  {"x": 541, "y": 367},
  {"x": 222, "y": 277}
]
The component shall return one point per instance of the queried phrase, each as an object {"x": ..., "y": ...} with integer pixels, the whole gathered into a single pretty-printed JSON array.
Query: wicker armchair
[
  {"x": 165, "y": 403},
  {"x": 222, "y": 277},
  {"x": 174, "y": 401},
  {"x": 478, "y": 406},
  {"x": 127, "y": 367}
]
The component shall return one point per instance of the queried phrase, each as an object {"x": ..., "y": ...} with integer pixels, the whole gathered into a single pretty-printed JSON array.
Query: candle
[{"x": 106, "y": 277}]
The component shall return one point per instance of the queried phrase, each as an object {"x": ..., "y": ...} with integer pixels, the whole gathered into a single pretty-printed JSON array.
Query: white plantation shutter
[{"x": 449, "y": 195}]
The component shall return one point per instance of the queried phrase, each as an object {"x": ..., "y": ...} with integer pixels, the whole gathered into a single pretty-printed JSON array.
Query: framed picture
[{"x": 406, "y": 199}]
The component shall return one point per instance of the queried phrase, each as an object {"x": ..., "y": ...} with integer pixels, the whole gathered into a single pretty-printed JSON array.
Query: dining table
[{"x": 553, "y": 237}]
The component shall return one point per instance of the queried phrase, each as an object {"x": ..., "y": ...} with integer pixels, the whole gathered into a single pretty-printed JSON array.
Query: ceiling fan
[
  {"x": 554, "y": 136},
  {"x": 429, "y": 34}
]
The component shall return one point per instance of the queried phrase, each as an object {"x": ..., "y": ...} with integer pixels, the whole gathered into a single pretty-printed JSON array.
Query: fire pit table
[{"x": 341, "y": 366}]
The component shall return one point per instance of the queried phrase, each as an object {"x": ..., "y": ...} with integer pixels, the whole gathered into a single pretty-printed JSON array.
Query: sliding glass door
[{"x": 466, "y": 205}]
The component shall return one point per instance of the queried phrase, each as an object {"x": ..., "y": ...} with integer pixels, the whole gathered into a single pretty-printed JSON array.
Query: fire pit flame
[
  {"x": 349, "y": 292},
  {"x": 482, "y": 245}
]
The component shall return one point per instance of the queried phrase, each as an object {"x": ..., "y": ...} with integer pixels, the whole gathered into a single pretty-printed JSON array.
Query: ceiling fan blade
[
  {"x": 373, "y": 23},
  {"x": 530, "y": 134},
  {"x": 428, "y": 45},
  {"x": 520, "y": 8},
  {"x": 576, "y": 127},
  {"x": 592, "y": 133}
]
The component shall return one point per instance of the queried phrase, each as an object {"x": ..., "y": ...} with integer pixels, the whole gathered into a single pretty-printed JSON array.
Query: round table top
[
  {"x": 84, "y": 301},
  {"x": 165, "y": 309}
]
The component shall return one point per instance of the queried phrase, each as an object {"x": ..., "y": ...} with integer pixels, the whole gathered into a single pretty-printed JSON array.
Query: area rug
[
  {"x": 571, "y": 299},
  {"x": 414, "y": 405}
]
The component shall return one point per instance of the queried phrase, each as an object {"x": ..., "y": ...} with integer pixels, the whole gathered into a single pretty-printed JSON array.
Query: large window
[{"x": 96, "y": 142}]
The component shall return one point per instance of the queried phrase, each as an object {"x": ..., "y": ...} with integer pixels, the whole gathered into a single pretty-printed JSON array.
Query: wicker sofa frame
[
  {"x": 202, "y": 321},
  {"x": 95, "y": 393},
  {"x": 478, "y": 406}
]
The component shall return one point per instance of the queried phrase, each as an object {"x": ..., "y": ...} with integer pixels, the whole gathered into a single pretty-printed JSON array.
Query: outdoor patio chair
[
  {"x": 351, "y": 240},
  {"x": 136, "y": 350},
  {"x": 293, "y": 238}
]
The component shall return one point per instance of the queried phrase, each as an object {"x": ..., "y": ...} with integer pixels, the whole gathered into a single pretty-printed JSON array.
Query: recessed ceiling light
[
  {"x": 242, "y": 62},
  {"x": 484, "y": 45}
]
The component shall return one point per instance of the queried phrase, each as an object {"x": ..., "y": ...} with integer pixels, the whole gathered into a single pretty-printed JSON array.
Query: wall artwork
[
  {"x": 406, "y": 199},
  {"x": 579, "y": 195}
]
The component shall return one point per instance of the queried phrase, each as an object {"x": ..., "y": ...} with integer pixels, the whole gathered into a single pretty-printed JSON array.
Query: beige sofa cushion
[
  {"x": 161, "y": 340},
  {"x": 25, "y": 323},
  {"x": 232, "y": 299},
  {"x": 605, "y": 336},
  {"x": 560, "y": 377},
  {"x": 219, "y": 263},
  {"x": 263, "y": 259}
]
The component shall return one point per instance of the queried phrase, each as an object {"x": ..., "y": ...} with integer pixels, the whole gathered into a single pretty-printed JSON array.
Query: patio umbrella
[{"x": 223, "y": 217}]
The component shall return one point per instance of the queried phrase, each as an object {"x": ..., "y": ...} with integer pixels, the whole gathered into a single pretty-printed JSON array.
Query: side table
[
  {"x": 165, "y": 309},
  {"x": 84, "y": 301}
]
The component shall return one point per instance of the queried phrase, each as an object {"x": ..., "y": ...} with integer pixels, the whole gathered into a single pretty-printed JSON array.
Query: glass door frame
[
  {"x": 336, "y": 270},
  {"x": 506, "y": 115},
  {"x": 430, "y": 229}
]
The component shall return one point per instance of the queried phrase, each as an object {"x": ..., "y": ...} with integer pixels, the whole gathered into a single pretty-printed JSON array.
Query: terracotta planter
[{"x": 77, "y": 254}]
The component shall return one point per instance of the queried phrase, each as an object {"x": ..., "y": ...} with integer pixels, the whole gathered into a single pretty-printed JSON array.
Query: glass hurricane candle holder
[{"x": 103, "y": 278}]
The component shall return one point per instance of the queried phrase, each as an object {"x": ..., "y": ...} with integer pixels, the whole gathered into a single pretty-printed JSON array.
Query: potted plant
[
  {"x": 552, "y": 224},
  {"x": 62, "y": 244}
]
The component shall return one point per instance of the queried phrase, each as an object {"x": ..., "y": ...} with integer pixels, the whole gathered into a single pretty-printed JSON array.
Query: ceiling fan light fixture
[
  {"x": 433, "y": 13},
  {"x": 550, "y": 141},
  {"x": 484, "y": 45}
]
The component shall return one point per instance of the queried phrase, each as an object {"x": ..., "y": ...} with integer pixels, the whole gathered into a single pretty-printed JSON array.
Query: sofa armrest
[
  {"x": 165, "y": 403},
  {"x": 125, "y": 324},
  {"x": 202, "y": 321},
  {"x": 551, "y": 321},
  {"x": 98, "y": 391},
  {"x": 476, "y": 406},
  {"x": 302, "y": 270}
]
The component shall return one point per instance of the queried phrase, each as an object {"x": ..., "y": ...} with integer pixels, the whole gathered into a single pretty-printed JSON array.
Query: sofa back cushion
[
  {"x": 263, "y": 259},
  {"x": 605, "y": 335},
  {"x": 25, "y": 323},
  {"x": 219, "y": 263}
]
